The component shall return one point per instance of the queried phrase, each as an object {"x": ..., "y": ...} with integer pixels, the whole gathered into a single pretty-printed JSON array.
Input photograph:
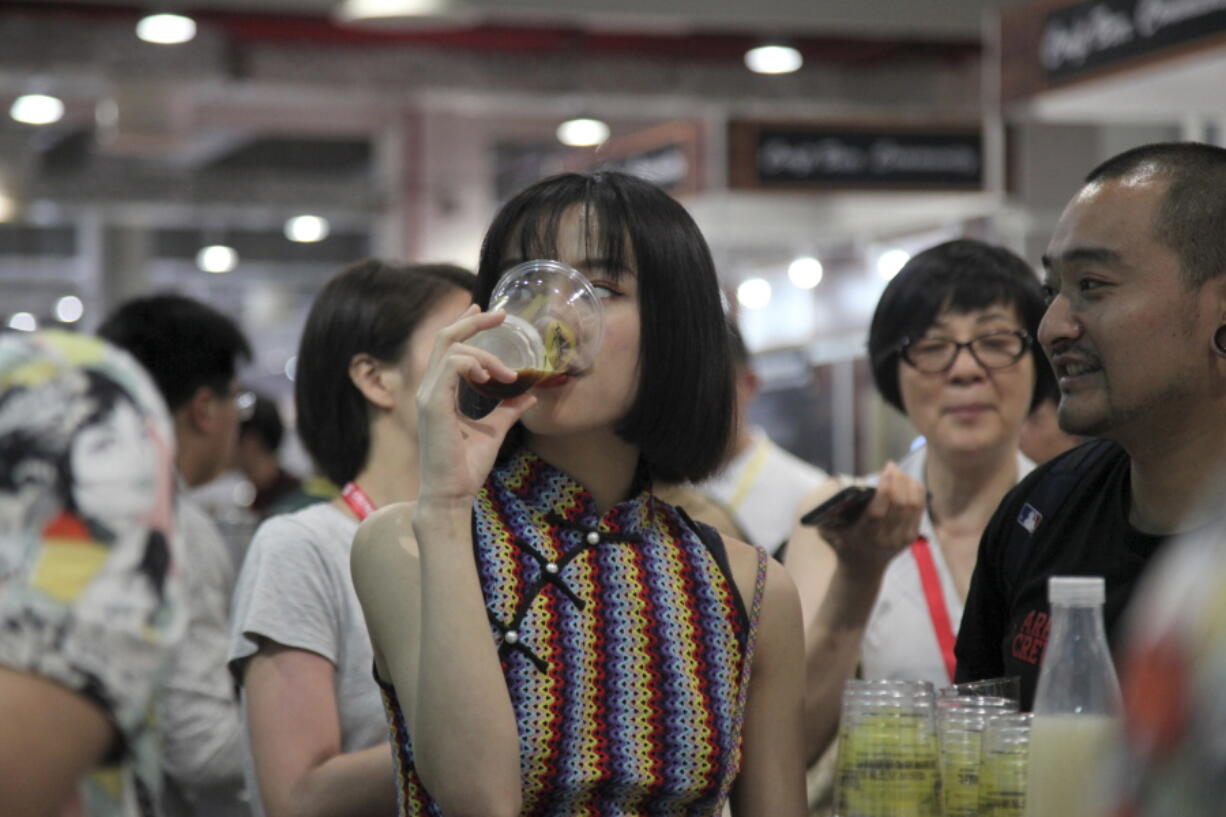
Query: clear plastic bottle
[{"x": 1077, "y": 704}]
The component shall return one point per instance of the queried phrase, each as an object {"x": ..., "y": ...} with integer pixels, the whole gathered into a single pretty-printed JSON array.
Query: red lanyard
[
  {"x": 357, "y": 500},
  {"x": 937, "y": 612}
]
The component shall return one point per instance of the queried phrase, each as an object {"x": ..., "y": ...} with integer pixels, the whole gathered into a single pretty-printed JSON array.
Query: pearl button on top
[
  {"x": 593, "y": 538},
  {"x": 551, "y": 568},
  {"x": 510, "y": 636}
]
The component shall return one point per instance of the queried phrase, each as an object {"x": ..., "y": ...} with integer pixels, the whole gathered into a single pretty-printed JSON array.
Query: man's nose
[{"x": 1058, "y": 324}]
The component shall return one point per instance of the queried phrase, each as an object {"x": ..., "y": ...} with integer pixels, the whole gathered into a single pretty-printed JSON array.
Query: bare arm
[
  {"x": 295, "y": 729},
  {"x": 438, "y": 652},
  {"x": 772, "y": 779},
  {"x": 838, "y": 573},
  {"x": 51, "y": 737},
  {"x": 416, "y": 578}
]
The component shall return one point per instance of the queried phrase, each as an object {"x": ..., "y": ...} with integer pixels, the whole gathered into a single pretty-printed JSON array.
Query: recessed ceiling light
[
  {"x": 37, "y": 109},
  {"x": 754, "y": 293},
  {"x": 891, "y": 261},
  {"x": 24, "y": 322},
  {"x": 773, "y": 59},
  {"x": 582, "y": 132},
  {"x": 69, "y": 309},
  {"x": 306, "y": 229},
  {"x": 217, "y": 258},
  {"x": 805, "y": 272},
  {"x": 166, "y": 29}
]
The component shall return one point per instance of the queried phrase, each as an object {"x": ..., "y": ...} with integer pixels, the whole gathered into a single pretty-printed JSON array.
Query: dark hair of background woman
[
  {"x": 370, "y": 307},
  {"x": 963, "y": 276},
  {"x": 682, "y": 416}
]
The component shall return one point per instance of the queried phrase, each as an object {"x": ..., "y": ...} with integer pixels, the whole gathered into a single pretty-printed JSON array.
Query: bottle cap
[{"x": 1076, "y": 590}]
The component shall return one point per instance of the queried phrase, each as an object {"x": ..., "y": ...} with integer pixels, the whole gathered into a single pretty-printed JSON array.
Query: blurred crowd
[{"x": 612, "y": 594}]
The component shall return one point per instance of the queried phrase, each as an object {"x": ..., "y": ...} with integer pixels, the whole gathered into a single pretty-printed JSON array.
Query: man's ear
[
  {"x": 200, "y": 410},
  {"x": 373, "y": 379}
]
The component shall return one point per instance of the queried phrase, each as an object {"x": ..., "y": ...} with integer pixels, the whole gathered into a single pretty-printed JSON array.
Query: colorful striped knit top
[{"x": 624, "y": 643}]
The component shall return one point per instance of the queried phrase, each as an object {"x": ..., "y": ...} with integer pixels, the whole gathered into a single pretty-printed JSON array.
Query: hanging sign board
[
  {"x": 787, "y": 156},
  {"x": 1048, "y": 44},
  {"x": 1101, "y": 32},
  {"x": 668, "y": 155}
]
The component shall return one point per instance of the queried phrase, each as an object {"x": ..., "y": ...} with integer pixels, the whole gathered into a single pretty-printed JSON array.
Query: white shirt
[
  {"x": 763, "y": 486},
  {"x": 899, "y": 642}
]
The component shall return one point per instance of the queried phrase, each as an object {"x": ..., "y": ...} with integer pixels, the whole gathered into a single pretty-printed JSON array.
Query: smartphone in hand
[{"x": 842, "y": 509}]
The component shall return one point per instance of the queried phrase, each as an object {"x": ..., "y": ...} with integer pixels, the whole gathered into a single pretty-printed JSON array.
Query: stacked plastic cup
[
  {"x": 887, "y": 756},
  {"x": 1010, "y": 687},
  {"x": 961, "y": 721},
  {"x": 1002, "y": 772}
]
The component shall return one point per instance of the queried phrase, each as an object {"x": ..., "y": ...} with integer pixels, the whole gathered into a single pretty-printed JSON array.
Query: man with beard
[{"x": 1136, "y": 333}]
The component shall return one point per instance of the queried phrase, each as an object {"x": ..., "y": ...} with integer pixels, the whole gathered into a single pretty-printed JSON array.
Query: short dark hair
[
  {"x": 682, "y": 416},
  {"x": 183, "y": 344},
  {"x": 963, "y": 276},
  {"x": 1192, "y": 217},
  {"x": 265, "y": 423},
  {"x": 371, "y": 307}
]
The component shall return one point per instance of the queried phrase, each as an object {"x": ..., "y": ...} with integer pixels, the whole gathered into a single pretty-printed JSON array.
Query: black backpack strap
[{"x": 1045, "y": 498}]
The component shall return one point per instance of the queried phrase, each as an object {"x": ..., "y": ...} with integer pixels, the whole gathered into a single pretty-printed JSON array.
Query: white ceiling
[{"x": 906, "y": 18}]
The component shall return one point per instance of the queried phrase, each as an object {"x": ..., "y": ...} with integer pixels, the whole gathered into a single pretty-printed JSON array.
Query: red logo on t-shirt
[{"x": 1031, "y": 637}]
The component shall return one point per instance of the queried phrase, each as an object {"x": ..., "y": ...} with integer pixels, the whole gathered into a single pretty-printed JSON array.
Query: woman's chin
[{"x": 964, "y": 442}]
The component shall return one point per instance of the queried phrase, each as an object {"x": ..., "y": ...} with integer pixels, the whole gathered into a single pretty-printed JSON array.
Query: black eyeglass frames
[{"x": 993, "y": 350}]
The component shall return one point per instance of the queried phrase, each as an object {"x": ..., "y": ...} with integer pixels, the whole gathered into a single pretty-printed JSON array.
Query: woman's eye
[
  {"x": 1049, "y": 293},
  {"x": 605, "y": 292},
  {"x": 931, "y": 347}
]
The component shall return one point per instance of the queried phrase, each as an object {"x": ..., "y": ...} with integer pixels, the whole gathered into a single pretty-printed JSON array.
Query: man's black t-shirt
[{"x": 1006, "y": 621}]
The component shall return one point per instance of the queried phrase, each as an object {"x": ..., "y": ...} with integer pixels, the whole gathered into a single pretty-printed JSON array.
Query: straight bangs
[
  {"x": 527, "y": 229},
  {"x": 682, "y": 416}
]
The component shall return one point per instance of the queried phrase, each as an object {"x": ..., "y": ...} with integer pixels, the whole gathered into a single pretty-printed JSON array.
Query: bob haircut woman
[
  {"x": 299, "y": 646},
  {"x": 682, "y": 416},
  {"x": 952, "y": 347},
  {"x": 961, "y": 276},
  {"x": 371, "y": 307},
  {"x": 551, "y": 636}
]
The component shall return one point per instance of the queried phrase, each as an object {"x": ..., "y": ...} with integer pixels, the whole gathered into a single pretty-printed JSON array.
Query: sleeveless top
[
  {"x": 624, "y": 643},
  {"x": 899, "y": 641}
]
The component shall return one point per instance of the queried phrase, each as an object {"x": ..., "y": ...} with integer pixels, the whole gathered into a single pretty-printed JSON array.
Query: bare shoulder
[
  {"x": 387, "y": 534},
  {"x": 743, "y": 559}
]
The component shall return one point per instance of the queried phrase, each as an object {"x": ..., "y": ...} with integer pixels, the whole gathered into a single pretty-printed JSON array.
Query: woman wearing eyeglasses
[{"x": 951, "y": 346}]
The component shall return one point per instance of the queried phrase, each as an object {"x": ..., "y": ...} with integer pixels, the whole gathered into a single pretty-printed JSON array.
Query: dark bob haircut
[
  {"x": 183, "y": 344},
  {"x": 372, "y": 308},
  {"x": 961, "y": 276},
  {"x": 1191, "y": 220},
  {"x": 682, "y": 415}
]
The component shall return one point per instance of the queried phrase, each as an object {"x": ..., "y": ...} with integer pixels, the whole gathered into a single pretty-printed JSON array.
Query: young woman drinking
[{"x": 553, "y": 639}]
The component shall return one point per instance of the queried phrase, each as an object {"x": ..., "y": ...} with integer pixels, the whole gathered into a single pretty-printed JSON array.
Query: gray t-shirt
[{"x": 295, "y": 588}]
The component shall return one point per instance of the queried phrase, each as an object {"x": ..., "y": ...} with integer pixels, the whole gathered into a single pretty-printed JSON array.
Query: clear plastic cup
[
  {"x": 960, "y": 725},
  {"x": 1003, "y": 769},
  {"x": 887, "y": 756},
  {"x": 553, "y": 328},
  {"x": 1010, "y": 687}
]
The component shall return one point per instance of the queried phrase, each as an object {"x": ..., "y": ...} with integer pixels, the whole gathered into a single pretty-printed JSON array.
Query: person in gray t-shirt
[{"x": 299, "y": 649}]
